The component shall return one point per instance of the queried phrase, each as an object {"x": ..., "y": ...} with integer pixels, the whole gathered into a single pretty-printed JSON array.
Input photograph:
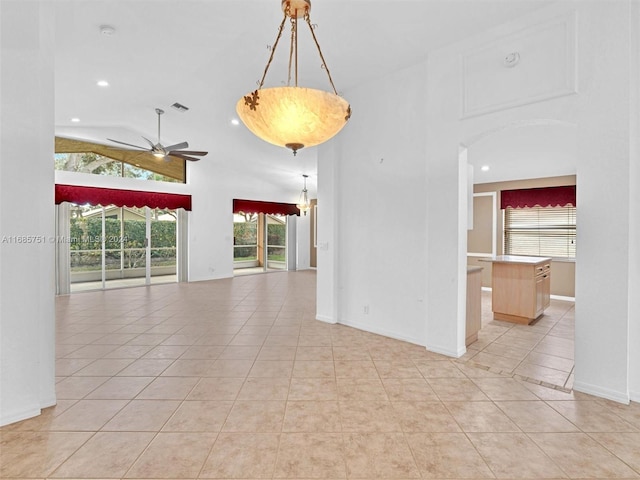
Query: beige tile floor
[
  {"x": 541, "y": 352},
  {"x": 234, "y": 379}
]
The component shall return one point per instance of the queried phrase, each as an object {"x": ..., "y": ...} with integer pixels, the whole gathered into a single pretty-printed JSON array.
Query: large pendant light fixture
[
  {"x": 293, "y": 116},
  {"x": 304, "y": 206}
]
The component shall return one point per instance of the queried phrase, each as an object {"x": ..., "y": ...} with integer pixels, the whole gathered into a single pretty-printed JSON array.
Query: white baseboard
[
  {"x": 382, "y": 331},
  {"x": 563, "y": 298},
  {"x": 445, "y": 351},
  {"x": 17, "y": 416},
  {"x": 325, "y": 318},
  {"x": 50, "y": 401},
  {"x": 601, "y": 392},
  {"x": 399, "y": 336}
]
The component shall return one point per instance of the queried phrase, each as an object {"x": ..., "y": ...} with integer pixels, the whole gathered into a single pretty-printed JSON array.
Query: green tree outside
[
  {"x": 245, "y": 233},
  {"x": 86, "y": 234},
  {"x": 276, "y": 239}
]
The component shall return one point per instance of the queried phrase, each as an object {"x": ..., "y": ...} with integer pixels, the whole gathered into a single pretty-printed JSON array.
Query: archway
[{"x": 523, "y": 154}]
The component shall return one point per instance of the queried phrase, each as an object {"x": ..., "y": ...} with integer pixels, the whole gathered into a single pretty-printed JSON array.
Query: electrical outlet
[{"x": 365, "y": 310}]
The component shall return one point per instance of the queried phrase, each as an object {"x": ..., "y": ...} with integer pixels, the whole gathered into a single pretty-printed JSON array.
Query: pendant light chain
[
  {"x": 293, "y": 51},
  {"x": 324, "y": 63},
  {"x": 295, "y": 27},
  {"x": 293, "y": 47},
  {"x": 273, "y": 50}
]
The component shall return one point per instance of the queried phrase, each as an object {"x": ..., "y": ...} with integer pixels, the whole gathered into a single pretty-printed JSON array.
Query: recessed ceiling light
[
  {"x": 75, "y": 119},
  {"x": 107, "y": 30},
  {"x": 485, "y": 168},
  {"x": 235, "y": 121},
  {"x": 102, "y": 83}
]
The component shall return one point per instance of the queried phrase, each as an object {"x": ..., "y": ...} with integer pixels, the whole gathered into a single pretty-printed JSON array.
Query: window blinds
[{"x": 540, "y": 231}]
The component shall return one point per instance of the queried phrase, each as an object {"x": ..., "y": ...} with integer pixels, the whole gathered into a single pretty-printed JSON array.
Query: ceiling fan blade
[
  {"x": 150, "y": 142},
  {"x": 189, "y": 152},
  {"x": 183, "y": 157},
  {"x": 177, "y": 146},
  {"x": 128, "y": 144}
]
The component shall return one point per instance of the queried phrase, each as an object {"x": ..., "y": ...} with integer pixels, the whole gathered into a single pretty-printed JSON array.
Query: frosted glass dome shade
[{"x": 293, "y": 117}]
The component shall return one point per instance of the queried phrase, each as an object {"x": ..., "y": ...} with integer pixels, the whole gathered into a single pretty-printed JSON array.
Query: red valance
[
  {"x": 273, "y": 208},
  {"x": 543, "y": 197},
  {"x": 120, "y": 198}
]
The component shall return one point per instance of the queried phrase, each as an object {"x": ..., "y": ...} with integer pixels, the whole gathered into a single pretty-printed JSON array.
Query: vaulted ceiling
[{"x": 206, "y": 54}]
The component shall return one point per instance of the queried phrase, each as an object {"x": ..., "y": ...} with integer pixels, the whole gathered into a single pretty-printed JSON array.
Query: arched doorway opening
[{"x": 534, "y": 153}]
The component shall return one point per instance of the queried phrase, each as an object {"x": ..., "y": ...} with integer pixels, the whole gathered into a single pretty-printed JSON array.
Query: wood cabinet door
[
  {"x": 541, "y": 286},
  {"x": 546, "y": 290}
]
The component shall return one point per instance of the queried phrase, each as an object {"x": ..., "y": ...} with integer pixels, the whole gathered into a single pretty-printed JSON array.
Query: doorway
[
  {"x": 525, "y": 155},
  {"x": 259, "y": 243},
  {"x": 114, "y": 247}
]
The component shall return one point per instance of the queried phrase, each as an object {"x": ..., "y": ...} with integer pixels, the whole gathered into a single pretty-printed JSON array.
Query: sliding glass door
[
  {"x": 111, "y": 247},
  {"x": 276, "y": 242},
  {"x": 260, "y": 243},
  {"x": 162, "y": 250}
]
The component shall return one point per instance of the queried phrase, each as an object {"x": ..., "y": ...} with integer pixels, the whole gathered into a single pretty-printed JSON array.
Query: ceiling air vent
[{"x": 180, "y": 107}]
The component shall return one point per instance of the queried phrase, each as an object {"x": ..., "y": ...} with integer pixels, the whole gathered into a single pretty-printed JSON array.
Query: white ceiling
[
  {"x": 523, "y": 152},
  {"x": 206, "y": 54}
]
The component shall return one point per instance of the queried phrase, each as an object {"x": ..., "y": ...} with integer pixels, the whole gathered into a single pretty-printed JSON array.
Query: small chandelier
[
  {"x": 294, "y": 117},
  {"x": 304, "y": 206}
]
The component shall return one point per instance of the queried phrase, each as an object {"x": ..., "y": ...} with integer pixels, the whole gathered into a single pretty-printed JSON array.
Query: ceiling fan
[{"x": 160, "y": 151}]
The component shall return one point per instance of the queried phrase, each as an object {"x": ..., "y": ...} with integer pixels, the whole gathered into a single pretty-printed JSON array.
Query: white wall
[
  {"x": 600, "y": 111},
  {"x": 211, "y": 221},
  {"x": 376, "y": 218},
  {"x": 27, "y": 288},
  {"x": 602, "y": 274},
  {"x": 575, "y": 72},
  {"x": 303, "y": 236},
  {"x": 634, "y": 210},
  {"x": 327, "y": 258}
]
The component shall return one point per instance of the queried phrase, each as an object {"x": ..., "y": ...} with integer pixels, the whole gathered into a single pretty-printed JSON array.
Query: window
[
  {"x": 73, "y": 155},
  {"x": 540, "y": 231},
  {"x": 245, "y": 238},
  {"x": 100, "y": 165}
]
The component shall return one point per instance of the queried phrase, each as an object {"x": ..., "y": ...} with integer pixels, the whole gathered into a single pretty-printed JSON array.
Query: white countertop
[{"x": 515, "y": 259}]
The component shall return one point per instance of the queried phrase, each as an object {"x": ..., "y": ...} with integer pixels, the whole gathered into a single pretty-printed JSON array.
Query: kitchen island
[{"x": 521, "y": 287}]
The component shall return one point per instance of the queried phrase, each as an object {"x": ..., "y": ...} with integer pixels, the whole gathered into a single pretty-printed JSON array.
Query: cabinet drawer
[{"x": 542, "y": 269}]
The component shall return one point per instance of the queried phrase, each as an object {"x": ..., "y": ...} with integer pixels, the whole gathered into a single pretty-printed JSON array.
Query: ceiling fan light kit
[
  {"x": 161, "y": 152},
  {"x": 291, "y": 116}
]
